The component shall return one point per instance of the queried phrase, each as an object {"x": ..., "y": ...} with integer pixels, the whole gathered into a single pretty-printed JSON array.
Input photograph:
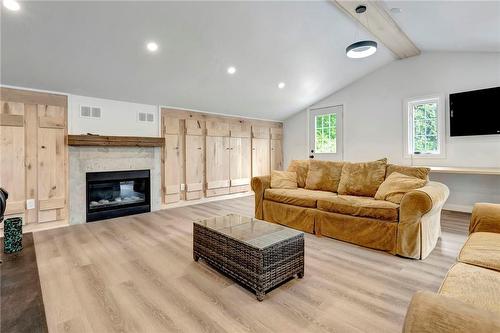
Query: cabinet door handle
[{"x": 199, "y": 148}]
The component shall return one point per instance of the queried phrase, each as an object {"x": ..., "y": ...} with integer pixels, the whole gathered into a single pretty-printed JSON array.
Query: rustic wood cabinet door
[
  {"x": 52, "y": 156},
  {"x": 260, "y": 157},
  {"x": 217, "y": 165},
  {"x": 240, "y": 164},
  {"x": 12, "y": 154},
  {"x": 276, "y": 155},
  {"x": 195, "y": 166},
  {"x": 172, "y": 168},
  {"x": 172, "y": 157}
]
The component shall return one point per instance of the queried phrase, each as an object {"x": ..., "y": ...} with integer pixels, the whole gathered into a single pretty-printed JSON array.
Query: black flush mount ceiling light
[{"x": 364, "y": 48}]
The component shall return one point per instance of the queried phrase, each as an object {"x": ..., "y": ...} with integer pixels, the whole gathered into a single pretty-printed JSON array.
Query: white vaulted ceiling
[
  {"x": 464, "y": 26},
  {"x": 98, "y": 49}
]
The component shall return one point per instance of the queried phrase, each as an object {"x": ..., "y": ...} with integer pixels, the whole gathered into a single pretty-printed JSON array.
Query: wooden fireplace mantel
[{"x": 115, "y": 141}]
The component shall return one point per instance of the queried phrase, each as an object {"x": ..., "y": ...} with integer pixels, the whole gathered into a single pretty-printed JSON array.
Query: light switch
[
  {"x": 30, "y": 204},
  {"x": 183, "y": 187}
]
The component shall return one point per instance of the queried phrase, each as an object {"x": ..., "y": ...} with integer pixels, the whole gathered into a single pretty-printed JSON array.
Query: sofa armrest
[
  {"x": 421, "y": 201},
  {"x": 433, "y": 313},
  {"x": 259, "y": 186},
  {"x": 485, "y": 217},
  {"x": 419, "y": 220}
]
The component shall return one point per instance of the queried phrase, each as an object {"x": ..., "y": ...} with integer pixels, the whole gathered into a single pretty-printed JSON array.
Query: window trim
[{"x": 408, "y": 128}]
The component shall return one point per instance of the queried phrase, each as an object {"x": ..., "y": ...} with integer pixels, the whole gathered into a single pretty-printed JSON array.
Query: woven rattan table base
[{"x": 259, "y": 269}]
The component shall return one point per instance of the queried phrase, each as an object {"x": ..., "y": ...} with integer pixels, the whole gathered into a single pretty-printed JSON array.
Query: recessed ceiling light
[
  {"x": 11, "y": 5},
  {"x": 231, "y": 70},
  {"x": 152, "y": 46},
  {"x": 281, "y": 85}
]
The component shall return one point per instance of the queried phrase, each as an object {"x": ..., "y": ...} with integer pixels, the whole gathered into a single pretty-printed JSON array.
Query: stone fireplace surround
[{"x": 95, "y": 159}]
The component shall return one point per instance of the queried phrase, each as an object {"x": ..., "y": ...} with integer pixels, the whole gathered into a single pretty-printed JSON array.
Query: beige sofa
[
  {"x": 410, "y": 229},
  {"x": 469, "y": 297}
]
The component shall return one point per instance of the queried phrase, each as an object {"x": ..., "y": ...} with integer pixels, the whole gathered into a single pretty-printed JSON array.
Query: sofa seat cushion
[
  {"x": 297, "y": 197},
  {"x": 360, "y": 206},
  {"x": 473, "y": 285},
  {"x": 482, "y": 249}
]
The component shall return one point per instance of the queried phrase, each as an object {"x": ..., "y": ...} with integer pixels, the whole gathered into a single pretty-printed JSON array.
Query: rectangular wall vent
[
  {"x": 145, "y": 117},
  {"x": 90, "y": 111}
]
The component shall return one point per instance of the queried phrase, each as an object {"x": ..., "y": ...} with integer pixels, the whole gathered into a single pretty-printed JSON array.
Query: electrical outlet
[{"x": 30, "y": 204}]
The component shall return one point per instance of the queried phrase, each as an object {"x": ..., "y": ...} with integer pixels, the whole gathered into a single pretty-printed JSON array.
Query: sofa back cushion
[
  {"x": 419, "y": 172},
  {"x": 363, "y": 178},
  {"x": 301, "y": 167},
  {"x": 396, "y": 185},
  {"x": 324, "y": 175},
  {"x": 283, "y": 179}
]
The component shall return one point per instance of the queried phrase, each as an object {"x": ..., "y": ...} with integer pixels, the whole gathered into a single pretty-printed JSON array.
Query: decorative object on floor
[
  {"x": 257, "y": 254},
  {"x": 3, "y": 205},
  {"x": 13, "y": 235},
  {"x": 364, "y": 48}
]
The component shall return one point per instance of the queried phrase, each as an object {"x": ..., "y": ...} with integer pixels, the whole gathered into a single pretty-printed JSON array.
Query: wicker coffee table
[{"x": 257, "y": 254}]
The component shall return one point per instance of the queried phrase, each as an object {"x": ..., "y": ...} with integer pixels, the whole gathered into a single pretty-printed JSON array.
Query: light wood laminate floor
[{"x": 136, "y": 274}]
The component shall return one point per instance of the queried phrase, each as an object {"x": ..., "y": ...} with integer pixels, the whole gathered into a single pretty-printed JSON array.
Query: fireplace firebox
[{"x": 117, "y": 193}]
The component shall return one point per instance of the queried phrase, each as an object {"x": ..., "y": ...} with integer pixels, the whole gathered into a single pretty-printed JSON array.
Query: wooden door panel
[
  {"x": 171, "y": 125},
  {"x": 217, "y": 128},
  {"x": 276, "y": 155},
  {"x": 51, "y": 172},
  {"x": 260, "y": 157},
  {"x": 12, "y": 152},
  {"x": 260, "y": 132},
  {"x": 217, "y": 162},
  {"x": 194, "y": 127},
  {"x": 276, "y": 133},
  {"x": 240, "y": 161},
  {"x": 51, "y": 116},
  {"x": 195, "y": 148},
  {"x": 241, "y": 130},
  {"x": 172, "y": 167}
]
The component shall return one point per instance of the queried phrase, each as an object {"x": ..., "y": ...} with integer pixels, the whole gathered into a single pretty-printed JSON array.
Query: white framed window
[{"x": 425, "y": 133}]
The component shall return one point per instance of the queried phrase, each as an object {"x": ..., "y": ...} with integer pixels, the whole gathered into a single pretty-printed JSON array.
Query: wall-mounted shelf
[
  {"x": 465, "y": 170},
  {"x": 114, "y": 141}
]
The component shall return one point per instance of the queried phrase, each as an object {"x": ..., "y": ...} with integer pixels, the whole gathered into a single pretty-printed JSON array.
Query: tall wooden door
[
  {"x": 217, "y": 164},
  {"x": 195, "y": 158},
  {"x": 217, "y": 157},
  {"x": 12, "y": 154},
  {"x": 276, "y": 155},
  {"x": 260, "y": 157},
  {"x": 240, "y": 164},
  {"x": 172, "y": 156},
  {"x": 276, "y": 148},
  {"x": 52, "y": 156}
]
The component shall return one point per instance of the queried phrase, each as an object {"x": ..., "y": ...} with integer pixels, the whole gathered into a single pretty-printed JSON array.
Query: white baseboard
[{"x": 458, "y": 208}]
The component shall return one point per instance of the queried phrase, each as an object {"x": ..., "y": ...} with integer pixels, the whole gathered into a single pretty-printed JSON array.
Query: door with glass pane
[{"x": 325, "y": 133}]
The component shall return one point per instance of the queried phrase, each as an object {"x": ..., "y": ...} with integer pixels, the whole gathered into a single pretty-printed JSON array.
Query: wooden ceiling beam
[{"x": 380, "y": 24}]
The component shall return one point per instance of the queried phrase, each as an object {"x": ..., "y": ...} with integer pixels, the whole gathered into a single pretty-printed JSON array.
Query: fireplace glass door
[{"x": 112, "y": 194}]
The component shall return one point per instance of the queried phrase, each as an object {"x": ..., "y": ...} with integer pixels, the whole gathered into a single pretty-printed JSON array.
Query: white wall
[
  {"x": 117, "y": 118},
  {"x": 373, "y": 119}
]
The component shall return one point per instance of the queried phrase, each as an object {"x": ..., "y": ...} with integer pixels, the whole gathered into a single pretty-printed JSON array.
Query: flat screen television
[{"x": 475, "y": 112}]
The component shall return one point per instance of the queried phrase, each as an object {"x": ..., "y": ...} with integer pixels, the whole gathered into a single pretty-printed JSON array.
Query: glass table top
[{"x": 253, "y": 232}]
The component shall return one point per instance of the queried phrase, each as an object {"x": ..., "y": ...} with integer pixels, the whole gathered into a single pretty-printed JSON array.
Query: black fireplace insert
[{"x": 117, "y": 193}]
